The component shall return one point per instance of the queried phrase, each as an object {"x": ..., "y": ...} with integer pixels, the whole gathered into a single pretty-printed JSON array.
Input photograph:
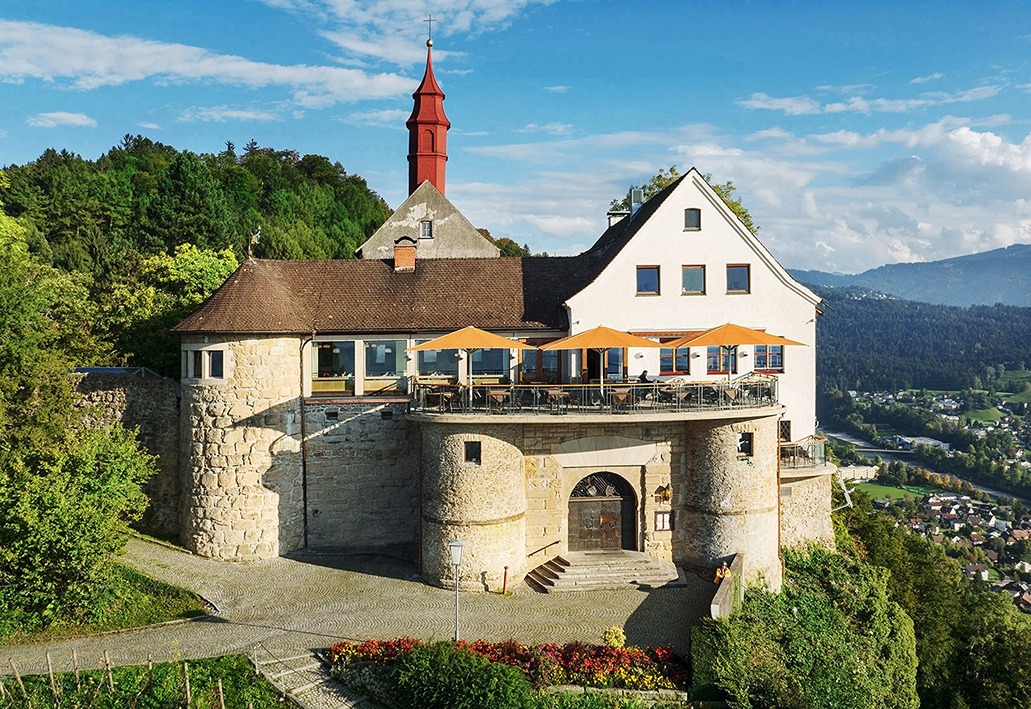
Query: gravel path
[{"x": 283, "y": 607}]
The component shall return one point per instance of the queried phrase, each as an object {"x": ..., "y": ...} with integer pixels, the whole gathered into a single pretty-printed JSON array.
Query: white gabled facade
[{"x": 774, "y": 301}]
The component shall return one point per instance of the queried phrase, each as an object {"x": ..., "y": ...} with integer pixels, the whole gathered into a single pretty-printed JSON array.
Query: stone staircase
[
  {"x": 600, "y": 570},
  {"x": 304, "y": 679}
]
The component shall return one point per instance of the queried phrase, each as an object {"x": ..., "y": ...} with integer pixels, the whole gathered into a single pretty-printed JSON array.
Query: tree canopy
[{"x": 666, "y": 177}]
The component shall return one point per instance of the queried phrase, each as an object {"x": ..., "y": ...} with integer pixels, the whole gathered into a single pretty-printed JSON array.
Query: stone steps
[
  {"x": 306, "y": 681},
  {"x": 593, "y": 571}
]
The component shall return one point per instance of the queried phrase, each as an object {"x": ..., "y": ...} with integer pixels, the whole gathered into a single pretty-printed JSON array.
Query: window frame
[
  {"x": 664, "y": 521},
  {"x": 766, "y": 356},
  {"x": 746, "y": 444},
  {"x": 206, "y": 364},
  {"x": 692, "y": 267},
  {"x": 693, "y": 224},
  {"x": 474, "y": 452},
  {"x": 748, "y": 277},
  {"x": 724, "y": 355},
  {"x": 426, "y": 229},
  {"x": 658, "y": 279}
]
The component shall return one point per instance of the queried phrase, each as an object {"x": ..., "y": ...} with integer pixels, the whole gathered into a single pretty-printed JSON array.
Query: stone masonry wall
[
  {"x": 482, "y": 503},
  {"x": 240, "y": 448},
  {"x": 150, "y": 405},
  {"x": 804, "y": 506},
  {"x": 363, "y": 477}
]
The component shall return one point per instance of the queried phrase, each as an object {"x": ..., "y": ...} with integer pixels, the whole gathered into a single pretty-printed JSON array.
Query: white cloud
[
  {"x": 150, "y": 126},
  {"x": 806, "y": 105},
  {"x": 387, "y": 118},
  {"x": 61, "y": 118},
  {"x": 930, "y": 77},
  {"x": 86, "y": 60},
  {"x": 549, "y": 128},
  {"x": 557, "y": 89},
  {"x": 223, "y": 114},
  {"x": 384, "y": 30}
]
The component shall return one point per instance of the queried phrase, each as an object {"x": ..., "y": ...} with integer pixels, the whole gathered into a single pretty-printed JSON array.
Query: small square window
[
  {"x": 744, "y": 444},
  {"x": 692, "y": 219},
  {"x": 426, "y": 230},
  {"x": 769, "y": 358},
  {"x": 663, "y": 521},
  {"x": 739, "y": 278},
  {"x": 647, "y": 280},
  {"x": 693, "y": 280},
  {"x": 472, "y": 452},
  {"x": 785, "y": 430}
]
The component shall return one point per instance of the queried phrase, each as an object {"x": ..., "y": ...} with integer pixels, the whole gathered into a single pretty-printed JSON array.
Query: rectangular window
[
  {"x": 693, "y": 280},
  {"x": 197, "y": 370},
  {"x": 785, "y": 430},
  {"x": 333, "y": 367},
  {"x": 679, "y": 365},
  {"x": 739, "y": 278},
  {"x": 490, "y": 362},
  {"x": 744, "y": 444},
  {"x": 721, "y": 360},
  {"x": 663, "y": 521},
  {"x": 385, "y": 366},
  {"x": 692, "y": 219},
  {"x": 216, "y": 364},
  {"x": 614, "y": 363},
  {"x": 472, "y": 452},
  {"x": 769, "y": 358},
  {"x": 437, "y": 363},
  {"x": 647, "y": 280},
  {"x": 426, "y": 230}
]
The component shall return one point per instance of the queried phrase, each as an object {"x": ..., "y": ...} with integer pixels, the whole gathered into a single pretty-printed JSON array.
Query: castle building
[{"x": 308, "y": 421}]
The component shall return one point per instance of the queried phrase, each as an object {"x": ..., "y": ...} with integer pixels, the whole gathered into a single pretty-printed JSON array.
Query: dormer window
[
  {"x": 692, "y": 219},
  {"x": 426, "y": 230}
]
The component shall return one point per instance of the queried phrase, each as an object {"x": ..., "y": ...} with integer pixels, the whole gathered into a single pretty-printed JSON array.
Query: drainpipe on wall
[{"x": 304, "y": 437}]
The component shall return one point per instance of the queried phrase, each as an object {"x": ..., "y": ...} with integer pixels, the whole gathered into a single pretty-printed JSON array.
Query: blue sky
[{"x": 858, "y": 133}]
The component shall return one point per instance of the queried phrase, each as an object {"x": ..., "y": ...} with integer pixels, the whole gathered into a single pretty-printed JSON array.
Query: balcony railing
[
  {"x": 613, "y": 398},
  {"x": 809, "y": 452}
]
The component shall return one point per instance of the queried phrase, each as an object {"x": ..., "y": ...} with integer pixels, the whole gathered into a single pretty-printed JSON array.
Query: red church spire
[{"x": 427, "y": 131}]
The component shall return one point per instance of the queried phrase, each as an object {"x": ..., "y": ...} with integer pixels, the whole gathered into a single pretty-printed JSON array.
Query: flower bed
[{"x": 574, "y": 663}]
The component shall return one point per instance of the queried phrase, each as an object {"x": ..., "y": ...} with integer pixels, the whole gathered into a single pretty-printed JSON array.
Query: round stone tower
[
  {"x": 240, "y": 447},
  {"x": 474, "y": 489},
  {"x": 727, "y": 500}
]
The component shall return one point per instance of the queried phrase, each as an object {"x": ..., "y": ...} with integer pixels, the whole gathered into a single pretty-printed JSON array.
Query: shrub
[
  {"x": 614, "y": 637},
  {"x": 442, "y": 676}
]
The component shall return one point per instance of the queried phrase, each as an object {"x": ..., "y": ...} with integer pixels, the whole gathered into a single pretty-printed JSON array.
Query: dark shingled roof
[
  {"x": 619, "y": 234},
  {"x": 276, "y": 297}
]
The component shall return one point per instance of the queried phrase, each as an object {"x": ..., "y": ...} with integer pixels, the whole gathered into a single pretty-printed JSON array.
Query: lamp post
[{"x": 456, "y": 560}]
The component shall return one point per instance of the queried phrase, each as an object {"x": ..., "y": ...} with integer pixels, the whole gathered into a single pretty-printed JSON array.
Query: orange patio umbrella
[
  {"x": 731, "y": 336},
  {"x": 600, "y": 338},
  {"x": 469, "y": 339}
]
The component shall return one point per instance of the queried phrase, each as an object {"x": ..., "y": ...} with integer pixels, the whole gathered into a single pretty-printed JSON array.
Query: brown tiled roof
[{"x": 266, "y": 296}]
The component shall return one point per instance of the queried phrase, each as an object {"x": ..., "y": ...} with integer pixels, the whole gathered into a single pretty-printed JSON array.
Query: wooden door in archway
[{"x": 601, "y": 514}]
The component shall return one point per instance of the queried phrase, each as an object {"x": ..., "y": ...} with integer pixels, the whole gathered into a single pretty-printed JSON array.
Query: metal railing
[
  {"x": 809, "y": 452},
  {"x": 610, "y": 397}
]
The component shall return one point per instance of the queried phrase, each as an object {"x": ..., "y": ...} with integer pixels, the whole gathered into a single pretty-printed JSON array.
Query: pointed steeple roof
[{"x": 427, "y": 131}]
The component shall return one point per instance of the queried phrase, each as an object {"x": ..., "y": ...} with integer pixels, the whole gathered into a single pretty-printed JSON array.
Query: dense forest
[
  {"x": 872, "y": 342},
  {"x": 145, "y": 232}
]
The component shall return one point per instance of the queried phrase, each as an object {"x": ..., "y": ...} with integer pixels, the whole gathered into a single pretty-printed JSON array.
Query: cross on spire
[{"x": 429, "y": 33}]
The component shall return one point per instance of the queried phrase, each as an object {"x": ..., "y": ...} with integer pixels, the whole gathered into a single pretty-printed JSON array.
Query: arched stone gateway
[{"x": 602, "y": 514}]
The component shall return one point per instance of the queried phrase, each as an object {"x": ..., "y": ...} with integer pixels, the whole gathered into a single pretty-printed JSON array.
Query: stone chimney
[{"x": 404, "y": 255}]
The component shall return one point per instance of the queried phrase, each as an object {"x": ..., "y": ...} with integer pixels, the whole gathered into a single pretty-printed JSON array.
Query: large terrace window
[
  {"x": 769, "y": 358},
  {"x": 437, "y": 363},
  {"x": 334, "y": 367},
  {"x": 539, "y": 366},
  {"x": 490, "y": 363},
  {"x": 669, "y": 365},
  {"x": 385, "y": 366}
]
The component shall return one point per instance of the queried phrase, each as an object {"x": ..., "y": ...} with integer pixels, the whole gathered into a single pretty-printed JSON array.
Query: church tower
[{"x": 427, "y": 131}]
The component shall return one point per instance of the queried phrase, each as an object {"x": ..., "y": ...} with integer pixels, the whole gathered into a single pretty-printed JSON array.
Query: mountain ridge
[{"x": 986, "y": 278}]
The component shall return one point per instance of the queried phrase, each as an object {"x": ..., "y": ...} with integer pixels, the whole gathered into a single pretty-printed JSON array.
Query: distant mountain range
[{"x": 998, "y": 276}]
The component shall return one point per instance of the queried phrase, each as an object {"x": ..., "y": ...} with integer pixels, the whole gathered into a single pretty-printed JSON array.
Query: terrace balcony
[{"x": 666, "y": 400}]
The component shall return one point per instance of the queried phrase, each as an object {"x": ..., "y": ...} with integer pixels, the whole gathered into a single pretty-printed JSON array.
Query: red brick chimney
[{"x": 404, "y": 255}]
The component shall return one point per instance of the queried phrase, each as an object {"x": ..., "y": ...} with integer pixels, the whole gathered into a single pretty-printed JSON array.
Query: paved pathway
[{"x": 285, "y": 607}]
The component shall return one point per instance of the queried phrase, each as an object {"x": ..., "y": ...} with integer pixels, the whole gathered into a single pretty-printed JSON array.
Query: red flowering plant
[
  {"x": 578, "y": 663},
  {"x": 382, "y": 652}
]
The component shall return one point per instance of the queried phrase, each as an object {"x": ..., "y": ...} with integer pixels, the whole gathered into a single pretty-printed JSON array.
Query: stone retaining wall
[
  {"x": 150, "y": 405},
  {"x": 363, "y": 482},
  {"x": 804, "y": 516}
]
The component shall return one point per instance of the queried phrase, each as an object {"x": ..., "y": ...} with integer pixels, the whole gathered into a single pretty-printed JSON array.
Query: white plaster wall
[{"x": 776, "y": 302}]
